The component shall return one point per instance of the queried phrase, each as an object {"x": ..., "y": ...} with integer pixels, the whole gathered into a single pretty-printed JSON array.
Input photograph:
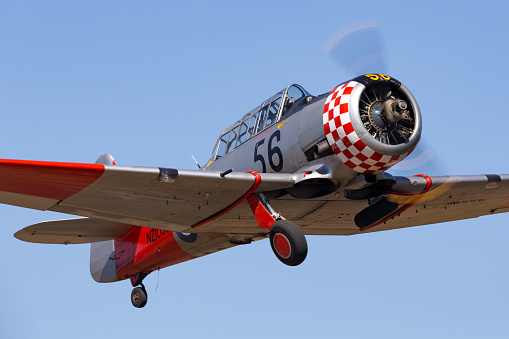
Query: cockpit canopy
[{"x": 260, "y": 118}]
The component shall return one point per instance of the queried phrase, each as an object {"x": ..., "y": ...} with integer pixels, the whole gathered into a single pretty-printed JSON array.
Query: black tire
[
  {"x": 139, "y": 297},
  {"x": 288, "y": 242}
]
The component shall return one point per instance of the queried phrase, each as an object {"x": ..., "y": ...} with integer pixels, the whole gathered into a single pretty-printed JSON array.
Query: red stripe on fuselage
[
  {"x": 143, "y": 249},
  {"x": 54, "y": 180}
]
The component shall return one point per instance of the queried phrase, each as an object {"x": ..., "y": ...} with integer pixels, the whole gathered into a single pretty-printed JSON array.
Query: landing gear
[
  {"x": 139, "y": 296},
  {"x": 286, "y": 238},
  {"x": 288, "y": 242}
]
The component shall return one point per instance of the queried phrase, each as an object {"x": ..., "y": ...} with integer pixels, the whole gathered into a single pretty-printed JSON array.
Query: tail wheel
[
  {"x": 139, "y": 297},
  {"x": 288, "y": 242}
]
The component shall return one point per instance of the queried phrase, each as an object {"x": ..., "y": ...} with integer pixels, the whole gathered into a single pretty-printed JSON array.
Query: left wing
[
  {"x": 412, "y": 201},
  {"x": 423, "y": 200},
  {"x": 163, "y": 198}
]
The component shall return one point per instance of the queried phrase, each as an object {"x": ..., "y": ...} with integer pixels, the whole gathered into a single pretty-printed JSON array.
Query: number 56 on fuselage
[{"x": 297, "y": 164}]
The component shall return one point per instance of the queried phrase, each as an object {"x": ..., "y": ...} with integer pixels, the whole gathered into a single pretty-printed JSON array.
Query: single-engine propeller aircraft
[{"x": 295, "y": 165}]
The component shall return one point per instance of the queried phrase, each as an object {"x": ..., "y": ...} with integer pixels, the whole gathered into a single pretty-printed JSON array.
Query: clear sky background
[{"x": 152, "y": 82}]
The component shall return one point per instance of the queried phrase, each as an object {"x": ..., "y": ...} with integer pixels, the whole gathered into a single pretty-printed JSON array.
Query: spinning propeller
[{"x": 358, "y": 48}]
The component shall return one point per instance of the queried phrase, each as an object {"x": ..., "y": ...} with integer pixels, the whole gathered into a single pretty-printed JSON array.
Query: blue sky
[{"x": 153, "y": 82}]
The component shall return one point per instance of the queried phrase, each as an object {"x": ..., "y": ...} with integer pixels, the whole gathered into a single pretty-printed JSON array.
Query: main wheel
[
  {"x": 139, "y": 297},
  {"x": 288, "y": 242}
]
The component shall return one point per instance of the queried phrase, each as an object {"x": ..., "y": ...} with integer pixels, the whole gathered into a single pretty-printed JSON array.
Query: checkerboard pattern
[{"x": 343, "y": 139}]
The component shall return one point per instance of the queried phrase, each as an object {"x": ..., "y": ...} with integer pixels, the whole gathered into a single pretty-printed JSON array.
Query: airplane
[{"x": 295, "y": 165}]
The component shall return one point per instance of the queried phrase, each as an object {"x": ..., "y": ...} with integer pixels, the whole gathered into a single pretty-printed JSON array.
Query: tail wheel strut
[{"x": 288, "y": 242}]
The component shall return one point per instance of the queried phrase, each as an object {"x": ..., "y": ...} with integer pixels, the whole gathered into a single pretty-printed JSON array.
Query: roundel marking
[
  {"x": 187, "y": 237},
  {"x": 344, "y": 140}
]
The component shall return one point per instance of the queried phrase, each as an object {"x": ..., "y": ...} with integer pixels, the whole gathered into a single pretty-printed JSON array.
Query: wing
[
  {"x": 177, "y": 200},
  {"x": 164, "y": 198},
  {"x": 423, "y": 200},
  {"x": 412, "y": 201}
]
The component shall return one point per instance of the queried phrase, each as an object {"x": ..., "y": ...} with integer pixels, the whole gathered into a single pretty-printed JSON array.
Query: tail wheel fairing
[{"x": 372, "y": 123}]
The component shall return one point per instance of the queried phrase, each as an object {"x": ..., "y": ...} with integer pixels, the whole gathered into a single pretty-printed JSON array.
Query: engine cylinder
[{"x": 372, "y": 122}]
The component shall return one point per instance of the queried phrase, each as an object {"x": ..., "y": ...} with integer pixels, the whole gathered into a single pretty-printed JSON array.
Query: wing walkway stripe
[{"x": 256, "y": 183}]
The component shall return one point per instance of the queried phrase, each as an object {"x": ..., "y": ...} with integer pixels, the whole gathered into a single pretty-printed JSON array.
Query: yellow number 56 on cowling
[{"x": 378, "y": 76}]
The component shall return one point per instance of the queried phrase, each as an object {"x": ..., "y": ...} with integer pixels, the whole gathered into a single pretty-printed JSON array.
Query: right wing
[{"x": 163, "y": 198}]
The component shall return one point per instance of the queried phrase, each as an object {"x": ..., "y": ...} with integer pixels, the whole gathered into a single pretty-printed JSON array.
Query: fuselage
[
  {"x": 273, "y": 145},
  {"x": 294, "y": 141},
  {"x": 362, "y": 128}
]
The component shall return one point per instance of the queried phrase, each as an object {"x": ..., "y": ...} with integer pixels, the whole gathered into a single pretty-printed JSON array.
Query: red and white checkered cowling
[{"x": 346, "y": 142}]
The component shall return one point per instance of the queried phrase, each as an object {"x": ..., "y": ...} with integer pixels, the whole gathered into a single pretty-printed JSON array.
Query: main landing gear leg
[
  {"x": 139, "y": 294},
  {"x": 286, "y": 238}
]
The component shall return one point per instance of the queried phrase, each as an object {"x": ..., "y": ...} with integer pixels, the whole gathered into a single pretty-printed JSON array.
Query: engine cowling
[{"x": 372, "y": 122}]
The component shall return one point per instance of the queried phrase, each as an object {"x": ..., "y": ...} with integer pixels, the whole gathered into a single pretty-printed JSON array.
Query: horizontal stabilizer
[{"x": 72, "y": 231}]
